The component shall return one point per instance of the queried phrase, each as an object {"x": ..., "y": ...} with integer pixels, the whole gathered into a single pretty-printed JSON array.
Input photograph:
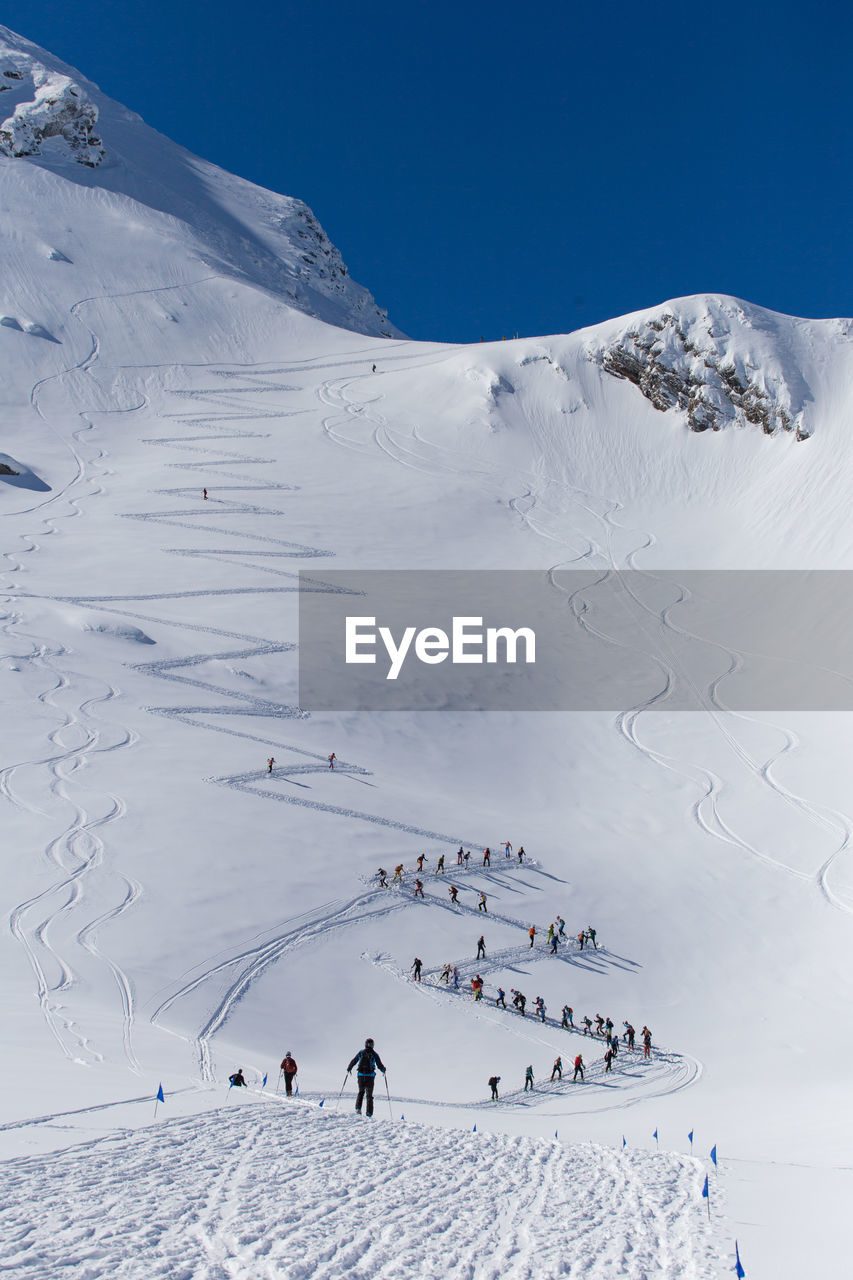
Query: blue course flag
[
  {"x": 323, "y": 1100},
  {"x": 705, "y": 1188},
  {"x": 296, "y": 1090},
  {"x": 160, "y": 1097},
  {"x": 264, "y": 1081},
  {"x": 714, "y": 1154},
  {"x": 655, "y": 1135},
  {"x": 402, "y": 1117},
  {"x": 474, "y": 1130},
  {"x": 555, "y": 1133},
  {"x": 739, "y": 1271},
  {"x": 690, "y": 1137},
  {"x": 624, "y": 1143}
]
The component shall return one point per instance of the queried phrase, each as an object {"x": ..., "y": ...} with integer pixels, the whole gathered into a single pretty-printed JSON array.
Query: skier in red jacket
[{"x": 289, "y": 1069}]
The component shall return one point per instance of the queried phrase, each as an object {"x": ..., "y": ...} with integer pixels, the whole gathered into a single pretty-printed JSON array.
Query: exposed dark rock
[{"x": 673, "y": 371}]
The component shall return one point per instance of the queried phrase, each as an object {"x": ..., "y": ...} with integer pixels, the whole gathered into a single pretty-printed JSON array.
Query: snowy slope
[
  {"x": 174, "y": 910},
  {"x": 380, "y": 1200}
]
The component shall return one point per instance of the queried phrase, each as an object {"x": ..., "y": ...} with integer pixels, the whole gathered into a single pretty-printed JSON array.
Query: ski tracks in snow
[
  {"x": 560, "y": 511},
  {"x": 290, "y": 1192}
]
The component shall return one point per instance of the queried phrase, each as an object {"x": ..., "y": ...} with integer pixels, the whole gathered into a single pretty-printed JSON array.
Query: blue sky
[{"x": 492, "y": 169}]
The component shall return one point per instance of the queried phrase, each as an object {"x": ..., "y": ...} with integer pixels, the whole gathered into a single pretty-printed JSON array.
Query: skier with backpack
[
  {"x": 237, "y": 1080},
  {"x": 557, "y": 1069},
  {"x": 368, "y": 1060},
  {"x": 567, "y": 1022},
  {"x": 416, "y": 969},
  {"x": 419, "y": 889},
  {"x": 494, "y": 1081},
  {"x": 288, "y": 1069},
  {"x": 528, "y": 1080},
  {"x": 578, "y": 1069},
  {"x": 501, "y": 998},
  {"x": 454, "y": 893},
  {"x": 481, "y": 948},
  {"x": 481, "y": 905}
]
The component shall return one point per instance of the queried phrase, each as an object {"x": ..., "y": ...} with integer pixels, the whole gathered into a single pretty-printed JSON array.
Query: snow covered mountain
[{"x": 197, "y": 404}]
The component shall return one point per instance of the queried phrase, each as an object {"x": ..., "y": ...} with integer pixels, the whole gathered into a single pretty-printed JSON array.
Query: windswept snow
[{"x": 261, "y": 1191}]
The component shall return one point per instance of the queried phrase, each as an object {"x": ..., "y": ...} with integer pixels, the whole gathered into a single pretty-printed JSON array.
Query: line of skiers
[
  {"x": 603, "y": 1027},
  {"x": 463, "y": 858}
]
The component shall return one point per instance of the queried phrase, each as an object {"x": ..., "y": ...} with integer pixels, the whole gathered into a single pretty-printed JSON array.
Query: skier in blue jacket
[{"x": 368, "y": 1060}]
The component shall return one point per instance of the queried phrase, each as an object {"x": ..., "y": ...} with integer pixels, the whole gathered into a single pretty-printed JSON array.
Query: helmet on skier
[{"x": 368, "y": 1044}]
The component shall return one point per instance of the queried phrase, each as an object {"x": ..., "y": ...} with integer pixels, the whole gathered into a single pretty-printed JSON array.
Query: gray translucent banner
[{"x": 575, "y": 640}]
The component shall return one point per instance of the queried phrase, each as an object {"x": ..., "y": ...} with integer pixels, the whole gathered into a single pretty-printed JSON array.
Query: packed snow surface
[
  {"x": 192, "y": 414},
  {"x": 258, "y": 1191}
]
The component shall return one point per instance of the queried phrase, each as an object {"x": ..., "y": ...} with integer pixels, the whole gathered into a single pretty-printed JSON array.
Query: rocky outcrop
[
  {"x": 48, "y": 106},
  {"x": 687, "y": 367}
]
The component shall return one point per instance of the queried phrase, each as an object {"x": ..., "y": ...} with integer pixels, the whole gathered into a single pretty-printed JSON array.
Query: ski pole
[
  {"x": 340, "y": 1095},
  {"x": 278, "y": 1081},
  {"x": 388, "y": 1092}
]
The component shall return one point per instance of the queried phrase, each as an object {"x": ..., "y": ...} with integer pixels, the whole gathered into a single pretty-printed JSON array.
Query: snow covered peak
[
  {"x": 52, "y": 115},
  {"x": 720, "y": 360}
]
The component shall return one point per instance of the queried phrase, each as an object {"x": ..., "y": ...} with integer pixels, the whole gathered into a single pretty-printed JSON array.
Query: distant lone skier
[
  {"x": 368, "y": 1060},
  {"x": 332, "y": 759},
  {"x": 237, "y": 1081},
  {"x": 288, "y": 1069},
  {"x": 204, "y": 491},
  {"x": 270, "y": 764},
  {"x": 373, "y": 370},
  {"x": 494, "y": 1081},
  {"x": 416, "y": 969},
  {"x": 532, "y": 934}
]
